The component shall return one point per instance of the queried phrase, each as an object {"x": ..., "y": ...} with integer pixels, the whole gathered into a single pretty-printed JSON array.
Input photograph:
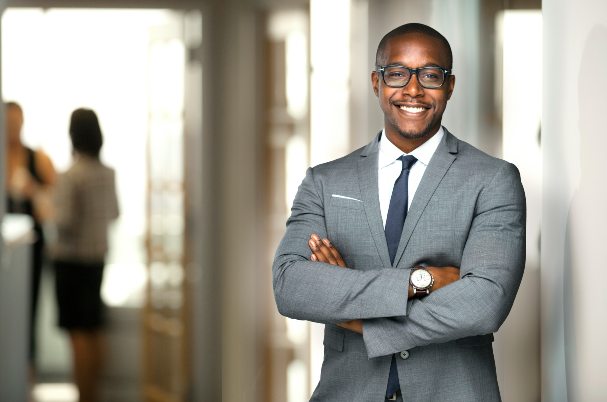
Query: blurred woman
[
  {"x": 30, "y": 175},
  {"x": 85, "y": 203}
]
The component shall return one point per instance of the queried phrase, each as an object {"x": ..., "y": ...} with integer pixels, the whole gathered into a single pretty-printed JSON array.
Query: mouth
[{"x": 413, "y": 109}]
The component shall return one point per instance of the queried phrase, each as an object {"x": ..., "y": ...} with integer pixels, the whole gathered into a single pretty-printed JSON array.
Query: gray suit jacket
[{"x": 469, "y": 212}]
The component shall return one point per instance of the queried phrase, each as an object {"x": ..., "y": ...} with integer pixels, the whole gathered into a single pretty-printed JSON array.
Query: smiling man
[{"x": 411, "y": 249}]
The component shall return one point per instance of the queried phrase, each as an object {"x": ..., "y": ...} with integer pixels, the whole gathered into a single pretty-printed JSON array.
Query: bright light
[
  {"x": 297, "y": 75},
  {"x": 59, "y": 392},
  {"x": 124, "y": 284},
  {"x": 296, "y": 388},
  {"x": 296, "y": 157},
  {"x": 522, "y": 84},
  {"x": 330, "y": 93}
]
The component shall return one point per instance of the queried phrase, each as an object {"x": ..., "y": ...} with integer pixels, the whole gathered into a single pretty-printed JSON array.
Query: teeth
[{"x": 411, "y": 109}]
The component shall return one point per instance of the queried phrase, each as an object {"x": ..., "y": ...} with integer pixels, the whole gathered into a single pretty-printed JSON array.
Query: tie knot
[{"x": 408, "y": 161}]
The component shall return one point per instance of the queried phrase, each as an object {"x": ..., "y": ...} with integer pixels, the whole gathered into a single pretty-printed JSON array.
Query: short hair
[
  {"x": 413, "y": 27},
  {"x": 13, "y": 105},
  {"x": 85, "y": 132}
]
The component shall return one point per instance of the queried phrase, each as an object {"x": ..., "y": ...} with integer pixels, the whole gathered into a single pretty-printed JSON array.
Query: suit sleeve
[
  {"x": 323, "y": 293},
  {"x": 492, "y": 267}
]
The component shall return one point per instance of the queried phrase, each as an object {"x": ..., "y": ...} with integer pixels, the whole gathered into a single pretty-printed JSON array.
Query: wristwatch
[{"x": 421, "y": 280}]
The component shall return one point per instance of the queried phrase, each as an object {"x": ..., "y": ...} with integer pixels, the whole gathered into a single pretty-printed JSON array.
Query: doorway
[{"x": 130, "y": 67}]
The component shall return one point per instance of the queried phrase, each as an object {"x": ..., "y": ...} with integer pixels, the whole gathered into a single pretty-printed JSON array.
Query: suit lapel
[
  {"x": 440, "y": 163},
  {"x": 367, "y": 179}
]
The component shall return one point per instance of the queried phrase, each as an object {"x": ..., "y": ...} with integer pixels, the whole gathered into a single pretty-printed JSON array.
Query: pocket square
[{"x": 345, "y": 197}]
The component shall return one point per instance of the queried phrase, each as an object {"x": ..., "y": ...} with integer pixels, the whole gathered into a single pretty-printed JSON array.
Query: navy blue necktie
[{"x": 397, "y": 212}]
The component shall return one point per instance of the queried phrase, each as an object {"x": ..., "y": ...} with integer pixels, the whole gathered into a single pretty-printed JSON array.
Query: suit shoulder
[
  {"x": 339, "y": 165},
  {"x": 475, "y": 160}
]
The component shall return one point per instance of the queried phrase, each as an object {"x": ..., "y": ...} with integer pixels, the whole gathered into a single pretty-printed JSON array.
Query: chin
[{"x": 415, "y": 135}]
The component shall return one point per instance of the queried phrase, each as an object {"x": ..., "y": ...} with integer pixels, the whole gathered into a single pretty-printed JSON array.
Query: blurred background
[{"x": 211, "y": 113}]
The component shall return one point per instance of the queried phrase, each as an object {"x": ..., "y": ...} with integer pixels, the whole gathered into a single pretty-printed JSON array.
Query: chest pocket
[
  {"x": 348, "y": 214},
  {"x": 349, "y": 203}
]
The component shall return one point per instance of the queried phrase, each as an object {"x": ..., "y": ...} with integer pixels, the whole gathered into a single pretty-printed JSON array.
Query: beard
[
  {"x": 430, "y": 129},
  {"x": 416, "y": 135}
]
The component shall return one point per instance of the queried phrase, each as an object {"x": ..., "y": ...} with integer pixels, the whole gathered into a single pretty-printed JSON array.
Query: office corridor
[{"x": 212, "y": 111}]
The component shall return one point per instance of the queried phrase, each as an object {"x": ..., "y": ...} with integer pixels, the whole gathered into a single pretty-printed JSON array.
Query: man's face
[
  {"x": 14, "y": 123},
  {"x": 413, "y": 112}
]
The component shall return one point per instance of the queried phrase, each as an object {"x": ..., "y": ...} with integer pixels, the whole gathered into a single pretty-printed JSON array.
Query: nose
[{"x": 413, "y": 87}]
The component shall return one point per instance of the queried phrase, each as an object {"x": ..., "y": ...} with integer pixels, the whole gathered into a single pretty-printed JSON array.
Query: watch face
[{"x": 421, "y": 279}]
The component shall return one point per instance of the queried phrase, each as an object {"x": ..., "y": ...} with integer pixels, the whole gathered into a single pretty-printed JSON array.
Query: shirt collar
[{"x": 389, "y": 153}]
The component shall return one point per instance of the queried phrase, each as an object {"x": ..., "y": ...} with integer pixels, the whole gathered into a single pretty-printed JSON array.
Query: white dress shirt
[{"x": 389, "y": 168}]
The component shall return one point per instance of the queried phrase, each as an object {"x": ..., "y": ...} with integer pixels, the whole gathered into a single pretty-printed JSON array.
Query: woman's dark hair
[{"x": 85, "y": 132}]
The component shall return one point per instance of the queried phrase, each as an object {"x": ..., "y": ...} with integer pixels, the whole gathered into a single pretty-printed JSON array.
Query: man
[{"x": 432, "y": 234}]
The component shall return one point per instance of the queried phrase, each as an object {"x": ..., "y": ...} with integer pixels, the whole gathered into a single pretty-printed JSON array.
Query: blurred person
[
  {"x": 30, "y": 177},
  {"x": 86, "y": 203},
  {"x": 411, "y": 249}
]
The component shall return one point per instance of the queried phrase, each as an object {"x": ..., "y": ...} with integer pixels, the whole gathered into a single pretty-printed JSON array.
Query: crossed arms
[
  {"x": 375, "y": 301},
  {"x": 324, "y": 251}
]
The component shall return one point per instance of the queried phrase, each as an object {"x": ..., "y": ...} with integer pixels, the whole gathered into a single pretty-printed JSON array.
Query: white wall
[{"x": 574, "y": 292}]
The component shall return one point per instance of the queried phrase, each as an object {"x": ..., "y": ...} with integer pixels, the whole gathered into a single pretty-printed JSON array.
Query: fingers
[
  {"x": 324, "y": 251},
  {"x": 354, "y": 326},
  {"x": 334, "y": 252},
  {"x": 317, "y": 253}
]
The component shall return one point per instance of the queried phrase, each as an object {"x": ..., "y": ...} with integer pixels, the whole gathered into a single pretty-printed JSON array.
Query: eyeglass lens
[{"x": 428, "y": 77}]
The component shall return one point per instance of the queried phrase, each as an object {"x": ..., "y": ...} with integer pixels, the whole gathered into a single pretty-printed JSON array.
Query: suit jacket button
[{"x": 404, "y": 354}]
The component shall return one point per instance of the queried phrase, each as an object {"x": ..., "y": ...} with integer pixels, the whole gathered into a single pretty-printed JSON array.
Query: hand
[
  {"x": 324, "y": 251},
  {"x": 354, "y": 326}
]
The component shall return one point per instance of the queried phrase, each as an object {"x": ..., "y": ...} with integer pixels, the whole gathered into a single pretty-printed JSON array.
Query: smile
[{"x": 412, "y": 109}]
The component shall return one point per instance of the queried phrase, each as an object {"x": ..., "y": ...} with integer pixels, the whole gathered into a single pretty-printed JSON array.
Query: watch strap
[{"x": 417, "y": 291}]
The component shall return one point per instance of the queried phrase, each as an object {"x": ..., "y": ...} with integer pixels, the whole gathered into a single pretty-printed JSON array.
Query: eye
[
  {"x": 395, "y": 73},
  {"x": 431, "y": 75}
]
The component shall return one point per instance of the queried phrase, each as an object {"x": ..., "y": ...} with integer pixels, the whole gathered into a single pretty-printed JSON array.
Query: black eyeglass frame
[{"x": 382, "y": 69}]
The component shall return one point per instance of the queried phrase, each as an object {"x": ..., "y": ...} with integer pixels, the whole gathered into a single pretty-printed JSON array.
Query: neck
[{"x": 15, "y": 145}]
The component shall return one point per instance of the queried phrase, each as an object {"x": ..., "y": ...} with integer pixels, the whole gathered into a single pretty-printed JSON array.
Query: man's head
[
  {"x": 14, "y": 122},
  {"x": 85, "y": 132},
  {"x": 412, "y": 28},
  {"x": 413, "y": 112}
]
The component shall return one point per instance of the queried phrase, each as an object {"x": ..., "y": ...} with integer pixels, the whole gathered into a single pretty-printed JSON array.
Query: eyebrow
[{"x": 424, "y": 66}]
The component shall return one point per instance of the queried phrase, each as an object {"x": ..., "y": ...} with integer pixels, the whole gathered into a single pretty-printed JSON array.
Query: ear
[
  {"x": 375, "y": 82},
  {"x": 451, "y": 86}
]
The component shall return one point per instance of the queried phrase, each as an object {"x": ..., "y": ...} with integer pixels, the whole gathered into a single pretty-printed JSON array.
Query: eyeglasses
[{"x": 397, "y": 76}]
